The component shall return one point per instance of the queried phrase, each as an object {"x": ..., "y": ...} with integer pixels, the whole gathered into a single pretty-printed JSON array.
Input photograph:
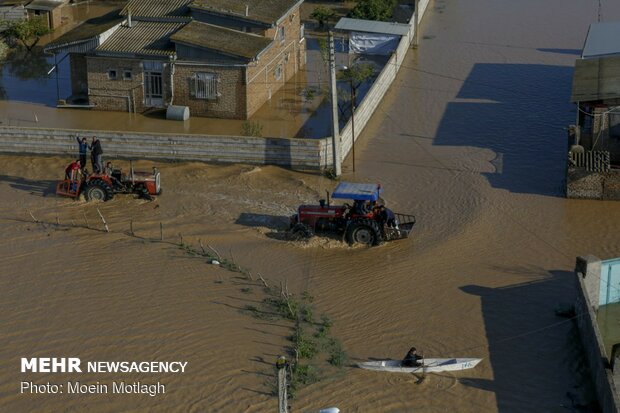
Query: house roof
[
  {"x": 602, "y": 40},
  {"x": 87, "y": 30},
  {"x": 221, "y": 39},
  {"x": 156, "y": 8},
  {"x": 372, "y": 26},
  {"x": 596, "y": 79},
  {"x": 143, "y": 38},
  {"x": 46, "y": 5},
  {"x": 261, "y": 11}
]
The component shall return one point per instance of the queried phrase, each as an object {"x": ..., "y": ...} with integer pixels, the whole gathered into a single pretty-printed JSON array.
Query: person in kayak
[{"x": 411, "y": 358}]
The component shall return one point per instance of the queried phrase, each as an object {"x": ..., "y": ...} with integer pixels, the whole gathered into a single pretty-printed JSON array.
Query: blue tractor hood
[{"x": 357, "y": 192}]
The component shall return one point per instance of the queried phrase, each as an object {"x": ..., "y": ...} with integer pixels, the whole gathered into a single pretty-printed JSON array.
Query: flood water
[
  {"x": 32, "y": 83},
  {"x": 470, "y": 139}
]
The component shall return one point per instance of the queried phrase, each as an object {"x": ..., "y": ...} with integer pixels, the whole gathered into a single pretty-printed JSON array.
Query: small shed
[
  {"x": 49, "y": 10},
  {"x": 372, "y": 37}
]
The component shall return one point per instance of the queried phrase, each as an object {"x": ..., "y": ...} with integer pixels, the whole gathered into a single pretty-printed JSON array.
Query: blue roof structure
[
  {"x": 602, "y": 40},
  {"x": 362, "y": 192}
]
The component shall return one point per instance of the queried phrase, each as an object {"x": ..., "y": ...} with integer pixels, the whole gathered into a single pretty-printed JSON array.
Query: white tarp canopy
[
  {"x": 372, "y": 37},
  {"x": 373, "y": 43}
]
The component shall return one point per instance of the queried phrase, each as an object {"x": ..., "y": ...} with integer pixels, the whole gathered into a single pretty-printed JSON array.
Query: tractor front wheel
[
  {"x": 98, "y": 190},
  {"x": 363, "y": 231},
  {"x": 301, "y": 232}
]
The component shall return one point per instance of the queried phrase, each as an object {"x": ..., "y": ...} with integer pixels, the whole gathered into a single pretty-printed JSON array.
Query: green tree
[
  {"x": 29, "y": 32},
  {"x": 322, "y": 15},
  {"x": 380, "y": 10},
  {"x": 355, "y": 76}
]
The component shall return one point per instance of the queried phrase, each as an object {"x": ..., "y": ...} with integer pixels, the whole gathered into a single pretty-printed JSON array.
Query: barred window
[{"x": 205, "y": 85}]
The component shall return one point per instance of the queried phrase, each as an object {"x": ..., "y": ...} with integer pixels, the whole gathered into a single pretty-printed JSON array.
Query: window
[
  {"x": 112, "y": 74},
  {"x": 127, "y": 74},
  {"x": 281, "y": 34},
  {"x": 205, "y": 85},
  {"x": 277, "y": 73}
]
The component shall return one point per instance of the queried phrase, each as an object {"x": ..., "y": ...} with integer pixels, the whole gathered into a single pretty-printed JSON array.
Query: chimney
[
  {"x": 128, "y": 17},
  {"x": 247, "y": 10}
]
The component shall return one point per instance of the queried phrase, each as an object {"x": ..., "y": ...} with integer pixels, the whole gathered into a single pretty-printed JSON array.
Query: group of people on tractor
[
  {"x": 77, "y": 169},
  {"x": 96, "y": 153},
  {"x": 364, "y": 208}
]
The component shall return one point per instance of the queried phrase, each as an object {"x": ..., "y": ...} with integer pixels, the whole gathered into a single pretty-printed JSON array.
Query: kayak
[{"x": 428, "y": 365}]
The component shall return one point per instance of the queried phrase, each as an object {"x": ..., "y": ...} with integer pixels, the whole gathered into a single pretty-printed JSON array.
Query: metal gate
[{"x": 153, "y": 84}]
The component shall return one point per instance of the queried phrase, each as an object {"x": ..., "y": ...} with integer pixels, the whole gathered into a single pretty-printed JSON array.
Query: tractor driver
[{"x": 362, "y": 207}]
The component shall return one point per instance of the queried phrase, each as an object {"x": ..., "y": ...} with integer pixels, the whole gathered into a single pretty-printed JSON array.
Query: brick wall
[
  {"x": 119, "y": 94},
  {"x": 231, "y": 87},
  {"x": 289, "y": 55}
]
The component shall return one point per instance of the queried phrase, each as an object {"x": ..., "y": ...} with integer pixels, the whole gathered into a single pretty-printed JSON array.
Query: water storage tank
[{"x": 177, "y": 113}]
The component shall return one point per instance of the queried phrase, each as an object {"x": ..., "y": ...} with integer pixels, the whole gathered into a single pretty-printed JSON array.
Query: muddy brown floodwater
[{"x": 470, "y": 139}]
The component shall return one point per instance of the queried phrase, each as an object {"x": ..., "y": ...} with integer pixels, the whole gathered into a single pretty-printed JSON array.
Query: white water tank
[
  {"x": 177, "y": 112},
  {"x": 330, "y": 410}
]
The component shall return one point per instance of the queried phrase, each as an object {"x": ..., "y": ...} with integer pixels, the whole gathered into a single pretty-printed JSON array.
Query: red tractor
[
  {"x": 364, "y": 222},
  {"x": 103, "y": 186}
]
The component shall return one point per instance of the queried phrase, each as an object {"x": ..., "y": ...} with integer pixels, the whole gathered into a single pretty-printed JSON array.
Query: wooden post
[
  {"x": 161, "y": 231},
  {"x": 33, "y": 218},
  {"x": 57, "y": 221},
  {"x": 85, "y": 219},
  {"x": 131, "y": 227},
  {"x": 281, "y": 365},
  {"x": 181, "y": 236},
  {"x": 105, "y": 224}
]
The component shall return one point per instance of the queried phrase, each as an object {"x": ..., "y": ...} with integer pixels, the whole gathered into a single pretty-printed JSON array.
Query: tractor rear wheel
[
  {"x": 98, "y": 190},
  {"x": 363, "y": 231},
  {"x": 301, "y": 232}
]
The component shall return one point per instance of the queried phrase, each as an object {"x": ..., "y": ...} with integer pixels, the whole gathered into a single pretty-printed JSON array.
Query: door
[{"x": 153, "y": 84}]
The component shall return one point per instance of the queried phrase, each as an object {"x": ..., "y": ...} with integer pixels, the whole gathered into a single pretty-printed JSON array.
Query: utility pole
[
  {"x": 416, "y": 13},
  {"x": 336, "y": 148}
]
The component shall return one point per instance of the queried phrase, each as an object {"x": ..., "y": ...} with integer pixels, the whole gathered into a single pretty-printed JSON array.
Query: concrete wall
[
  {"x": 582, "y": 184},
  {"x": 587, "y": 294},
  {"x": 303, "y": 154},
  {"x": 373, "y": 98}
]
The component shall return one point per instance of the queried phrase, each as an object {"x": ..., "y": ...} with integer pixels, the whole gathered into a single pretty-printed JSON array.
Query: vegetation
[
  {"x": 252, "y": 129},
  {"x": 4, "y": 50},
  {"x": 322, "y": 15},
  {"x": 28, "y": 32},
  {"x": 380, "y": 10},
  {"x": 357, "y": 74}
]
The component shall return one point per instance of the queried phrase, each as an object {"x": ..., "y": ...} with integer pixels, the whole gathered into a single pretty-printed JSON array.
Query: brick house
[{"x": 220, "y": 58}]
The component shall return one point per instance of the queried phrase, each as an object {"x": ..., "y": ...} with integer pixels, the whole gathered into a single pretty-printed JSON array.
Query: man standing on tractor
[
  {"x": 83, "y": 150},
  {"x": 96, "y": 155}
]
